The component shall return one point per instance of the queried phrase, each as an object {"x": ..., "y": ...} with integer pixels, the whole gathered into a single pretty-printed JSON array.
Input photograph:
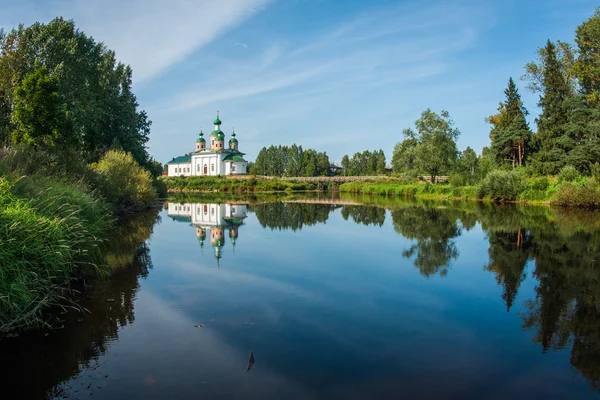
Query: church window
[
  {"x": 232, "y": 168},
  {"x": 212, "y": 167},
  {"x": 205, "y": 209}
]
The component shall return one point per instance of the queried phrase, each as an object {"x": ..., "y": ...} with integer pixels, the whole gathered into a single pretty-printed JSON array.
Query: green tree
[
  {"x": 436, "y": 152},
  {"x": 95, "y": 91},
  {"x": 404, "y": 156},
  {"x": 468, "y": 165},
  {"x": 551, "y": 157},
  {"x": 535, "y": 70},
  {"x": 345, "y": 164},
  {"x": 380, "y": 167},
  {"x": 587, "y": 66},
  {"x": 510, "y": 134},
  {"x": 38, "y": 116}
]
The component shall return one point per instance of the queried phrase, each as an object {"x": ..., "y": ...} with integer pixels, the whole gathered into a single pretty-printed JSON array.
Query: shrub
[
  {"x": 501, "y": 185},
  {"x": 456, "y": 180},
  {"x": 540, "y": 183},
  {"x": 123, "y": 182},
  {"x": 568, "y": 173},
  {"x": 595, "y": 170},
  {"x": 585, "y": 195}
]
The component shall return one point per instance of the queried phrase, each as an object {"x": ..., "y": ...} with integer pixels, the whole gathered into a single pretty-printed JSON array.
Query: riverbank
[
  {"x": 247, "y": 184},
  {"x": 55, "y": 228},
  {"x": 498, "y": 186},
  {"x": 542, "y": 191}
]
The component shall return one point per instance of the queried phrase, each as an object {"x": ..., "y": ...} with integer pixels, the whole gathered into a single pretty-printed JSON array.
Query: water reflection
[
  {"x": 215, "y": 218},
  {"x": 38, "y": 362},
  {"x": 544, "y": 262}
]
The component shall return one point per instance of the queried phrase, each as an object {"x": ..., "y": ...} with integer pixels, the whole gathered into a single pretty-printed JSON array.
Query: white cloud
[{"x": 150, "y": 35}]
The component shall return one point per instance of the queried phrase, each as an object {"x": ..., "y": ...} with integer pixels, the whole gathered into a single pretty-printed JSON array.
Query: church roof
[
  {"x": 233, "y": 157},
  {"x": 180, "y": 218},
  {"x": 180, "y": 160}
]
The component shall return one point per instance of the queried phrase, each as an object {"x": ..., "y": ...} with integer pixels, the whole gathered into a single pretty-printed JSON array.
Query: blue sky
[{"x": 338, "y": 76}]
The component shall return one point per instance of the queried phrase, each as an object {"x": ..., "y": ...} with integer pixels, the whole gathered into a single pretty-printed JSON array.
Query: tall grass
[{"x": 48, "y": 230}]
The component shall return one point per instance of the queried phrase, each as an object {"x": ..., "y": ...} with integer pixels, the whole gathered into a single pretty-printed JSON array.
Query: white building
[
  {"x": 215, "y": 218},
  {"x": 213, "y": 161}
]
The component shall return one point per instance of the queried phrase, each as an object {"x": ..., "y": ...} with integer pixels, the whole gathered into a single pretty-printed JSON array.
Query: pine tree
[
  {"x": 551, "y": 122},
  {"x": 510, "y": 134}
]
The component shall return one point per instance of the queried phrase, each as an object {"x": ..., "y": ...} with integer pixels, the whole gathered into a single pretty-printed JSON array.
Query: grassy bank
[
  {"x": 223, "y": 184},
  {"x": 54, "y": 228},
  {"x": 498, "y": 186}
]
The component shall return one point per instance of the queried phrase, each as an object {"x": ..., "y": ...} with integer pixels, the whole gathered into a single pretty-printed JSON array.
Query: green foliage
[
  {"x": 409, "y": 190},
  {"x": 48, "y": 229},
  {"x": 223, "y": 184},
  {"x": 501, "y": 186},
  {"x": 568, "y": 173},
  {"x": 587, "y": 66},
  {"x": 37, "y": 116},
  {"x": 584, "y": 195},
  {"x": 510, "y": 134},
  {"x": 534, "y": 71},
  {"x": 404, "y": 156},
  {"x": 367, "y": 163},
  {"x": 435, "y": 152},
  {"x": 123, "y": 182},
  {"x": 290, "y": 161},
  {"x": 57, "y": 85},
  {"x": 456, "y": 180},
  {"x": 540, "y": 183}
]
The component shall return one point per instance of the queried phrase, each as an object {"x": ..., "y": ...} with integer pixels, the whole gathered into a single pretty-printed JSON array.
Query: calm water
[{"x": 337, "y": 300}]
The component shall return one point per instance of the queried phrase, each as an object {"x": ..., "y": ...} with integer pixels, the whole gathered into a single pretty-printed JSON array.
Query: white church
[{"x": 213, "y": 161}]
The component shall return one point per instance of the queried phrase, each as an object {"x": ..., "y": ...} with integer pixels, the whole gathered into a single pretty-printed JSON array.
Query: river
[{"x": 335, "y": 298}]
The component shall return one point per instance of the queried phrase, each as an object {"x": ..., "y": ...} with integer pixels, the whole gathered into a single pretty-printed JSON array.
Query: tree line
[
  {"x": 290, "y": 161},
  {"x": 365, "y": 163},
  {"x": 61, "y": 90}
]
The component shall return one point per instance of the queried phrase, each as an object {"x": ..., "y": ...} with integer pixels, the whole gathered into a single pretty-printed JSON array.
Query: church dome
[
  {"x": 201, "y": 139},
  {"x": 233, "y": 139}
]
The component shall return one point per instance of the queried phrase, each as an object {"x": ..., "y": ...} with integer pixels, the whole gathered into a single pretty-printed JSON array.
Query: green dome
[
  {"x": 201, "y": 140},
  {"x": 220, "y": 136},
  {"x": 233, "y": 139},
  {"x": 217, "y": 133},
  {"x": 217, "y": 121}
]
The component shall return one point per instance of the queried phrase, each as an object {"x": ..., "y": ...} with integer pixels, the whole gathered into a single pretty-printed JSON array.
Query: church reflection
[{"x": 212, "y": 220}]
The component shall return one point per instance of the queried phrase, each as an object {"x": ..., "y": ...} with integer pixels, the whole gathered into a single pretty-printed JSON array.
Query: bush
[
  {"x": 595, "y": 170},
  {"x": 540, "y": 183},
  {"x": 123, "y": 182},
  {"x": 585, "y": 195},
  {"x": 456, "y": 180},
  {"x": 568, "y": 173},
  {"x": 501, "y": 185}
]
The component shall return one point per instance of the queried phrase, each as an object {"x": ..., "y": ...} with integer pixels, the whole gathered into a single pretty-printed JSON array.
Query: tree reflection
[
  {"x": 366, "y": 215},
  {"x": 294, "y": 216},
  {"x": 509, "y": 252},
  {"x": 35, "y": 363},
  {"x": 433, "y": 229}
]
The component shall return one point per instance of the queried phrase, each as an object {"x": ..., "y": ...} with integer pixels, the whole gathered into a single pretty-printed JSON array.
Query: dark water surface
[{"x": 337, "y": 300}]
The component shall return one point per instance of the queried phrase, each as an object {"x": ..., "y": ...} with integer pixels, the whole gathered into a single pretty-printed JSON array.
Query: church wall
[{"x": 180, "y": 169}]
